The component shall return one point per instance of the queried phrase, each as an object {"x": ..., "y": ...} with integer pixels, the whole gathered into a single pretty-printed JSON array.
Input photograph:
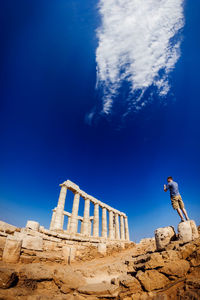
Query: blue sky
[{"x": 55, "y": 125}]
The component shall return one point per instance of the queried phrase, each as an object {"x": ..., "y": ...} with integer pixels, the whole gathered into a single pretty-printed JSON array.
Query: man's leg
[
  {"x": 185, "y": 213},
  {"x": 180, "y": 214}
]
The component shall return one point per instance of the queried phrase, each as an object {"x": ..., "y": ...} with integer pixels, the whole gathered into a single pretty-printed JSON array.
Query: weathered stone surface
[
  {"x": 12, "y": 249},
  {"x": 177, "y": 268},
  {"x": 152, "y": 280},
  {"x": 69, "y": 253},
  {"x": 5, "y": 227},
  {"x": 32, "y": 243},
  {"x": 8, "y": 278},
  {"x": 100, "y": 289},
  {"x": 2, "y": 241},
  {"x": 187, "y": 250},
  {"x": 102, "y": 248},
  {"x": 130, "y": 282},
  {"x": 195, "y": 233},
  {"x": 171, "y": 255},
  {"x": 185, "y": 232},
  {"x": 195, "y": 258},
  {"x": 67, "y": 280},
  {"x": 36, "y": 272},
  {"x": 155, "y": 261},
  {"x": 164, "y": 236},
  {"x": 33, "y": 225}
]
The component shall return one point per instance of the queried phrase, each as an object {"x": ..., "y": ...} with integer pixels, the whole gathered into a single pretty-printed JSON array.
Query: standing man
[{"x": 176, "y": 199}]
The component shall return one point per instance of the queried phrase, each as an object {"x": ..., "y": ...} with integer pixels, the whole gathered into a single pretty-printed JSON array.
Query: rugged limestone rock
[
  {"x": 187, "y": 250},
  {"x": 152, "y": 280},
  {"x": 8, "y": 278},
  {"x": 11, "y": 252},
  {"x": 68, "y": 280},
  {"x": 177, "y": 268},
  {"x": 130, "y": 282},
  {"x": 164, "y": 236},
  {"x": 100, "y": 289}
]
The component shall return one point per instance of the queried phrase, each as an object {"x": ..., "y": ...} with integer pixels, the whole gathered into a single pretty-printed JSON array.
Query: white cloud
[{"x": 137, "y": 43}]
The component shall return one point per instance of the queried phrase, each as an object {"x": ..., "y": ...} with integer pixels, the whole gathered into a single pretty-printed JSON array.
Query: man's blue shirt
[{"x": 173, "y": 188}]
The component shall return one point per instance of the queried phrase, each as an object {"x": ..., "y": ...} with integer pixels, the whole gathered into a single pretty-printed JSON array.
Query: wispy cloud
[{"x": 138, "y": 43}]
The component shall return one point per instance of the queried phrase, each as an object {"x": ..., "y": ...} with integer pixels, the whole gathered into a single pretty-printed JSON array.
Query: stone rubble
[{"x": 133, "y": 272}]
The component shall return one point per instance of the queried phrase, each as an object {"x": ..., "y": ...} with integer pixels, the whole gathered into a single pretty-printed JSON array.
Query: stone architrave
[
  {"x": 59, "y": 216},
  {"x": 111, "y": 227},
  {"x": 33, "y": 225},
  {"x": 12, "y": 250},
  {"x": 126, "y": 229},
  {"x": 122, "y": 227},
  {"x": 163, "y": 236},
  {"x": 185, "y": 232},
  {"x": 104, "y": 222},
  {"x": 86, "y": 218},
  {"x": 96, "y": 220},
  {"x": 74, "y": 215},
  {"x": 117, "y": 236}
]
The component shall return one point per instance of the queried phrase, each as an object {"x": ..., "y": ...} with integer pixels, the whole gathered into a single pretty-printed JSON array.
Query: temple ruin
[{"x": 118, "y": 222}]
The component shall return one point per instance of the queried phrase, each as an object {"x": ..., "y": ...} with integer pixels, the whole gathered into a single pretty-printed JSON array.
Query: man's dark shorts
[{"x": 177, "y": 202}]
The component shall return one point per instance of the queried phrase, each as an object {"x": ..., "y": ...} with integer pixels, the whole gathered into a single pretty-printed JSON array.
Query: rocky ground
[{"x": 138, "y": 273}]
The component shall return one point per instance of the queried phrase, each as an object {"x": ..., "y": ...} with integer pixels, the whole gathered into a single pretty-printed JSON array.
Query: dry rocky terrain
[{"x": 136, "y": 272}]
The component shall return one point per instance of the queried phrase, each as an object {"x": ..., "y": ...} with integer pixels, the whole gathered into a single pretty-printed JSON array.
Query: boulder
[
  {"x": 164, "y": 236},
  {"x": 8, "y": 278},
  {"x": 33, "y": 225},
  {"x": 177, "y": 268},
  {"x": 32, "y": 242},
  {"x": 185, "y": 232},
  {"x": 152, "y": 280},
  {"x": 12, "y": 249}
]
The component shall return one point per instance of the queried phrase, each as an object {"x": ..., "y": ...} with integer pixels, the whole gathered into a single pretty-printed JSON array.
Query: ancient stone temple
[{"x": 115, "y": 228}]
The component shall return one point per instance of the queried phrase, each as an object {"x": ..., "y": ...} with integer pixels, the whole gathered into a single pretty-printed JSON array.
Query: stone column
[
  {"x": 90, "y": 228},
  {"x": 74, "y": 220},
  {"x": 96, "y": 220},
  {"x": 53, "y": 219},
  {"x": 122, "y": 227},
  {"x": 86, "y": 218},
  {"x": 59, "y": 216},
  {"x": 126, "y": 229},
  {"x": 111, "y": 227},
  {"x": 104, "y": 222},
  {"x": 117, "y": 236},
  {"x": 68, "y": 223}
]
